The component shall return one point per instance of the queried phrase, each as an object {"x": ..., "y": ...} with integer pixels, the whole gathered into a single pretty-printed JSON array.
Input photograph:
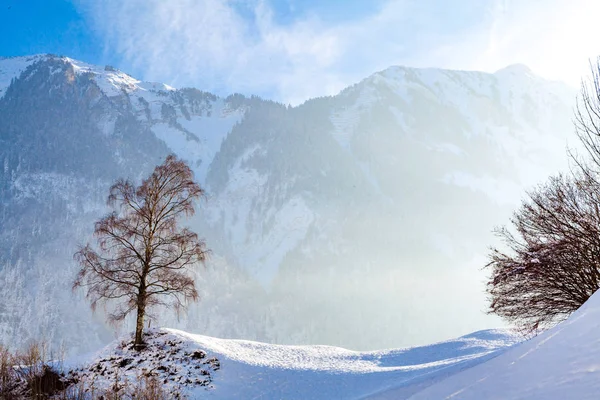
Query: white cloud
[
  {"x": 208, "y": 44},
  {"x": 212, "y": 45},
  {"x": 556, "y": 38}
]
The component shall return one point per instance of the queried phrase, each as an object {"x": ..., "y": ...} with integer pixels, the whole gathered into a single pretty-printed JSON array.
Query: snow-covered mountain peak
[
  {"x": 12, "y": 67},
  {"x": 114, "y": 82},
  {"x": 111, "y": 81},
  {"x": 515, "y": 69},
  {"x": 192, "y": 123},
  {"x": 439, "y": 78},
  {"x": 484, "y": 99},
  {"x": 396, "y": 76}
]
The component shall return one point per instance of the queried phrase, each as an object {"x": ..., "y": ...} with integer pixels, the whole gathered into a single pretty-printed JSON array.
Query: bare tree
[
  {"x": 143, "y": 258},
  {"x": 553, "y": 266}
]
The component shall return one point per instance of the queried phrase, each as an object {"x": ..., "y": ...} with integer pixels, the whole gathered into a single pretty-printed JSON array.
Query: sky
[{"x": 292, "y": 50}]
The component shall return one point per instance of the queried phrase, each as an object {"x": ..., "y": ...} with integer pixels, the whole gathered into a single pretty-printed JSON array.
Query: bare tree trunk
[{"x": 138, "y": 344}]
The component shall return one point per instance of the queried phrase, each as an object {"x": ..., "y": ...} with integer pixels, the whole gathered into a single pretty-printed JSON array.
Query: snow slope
[
  {"x": 253, "y": 370},
  {"x": 11, "y": 68},
  {"x": 194, "y": 136},
  {"x": 194, "y": 129},
  {"x": 561, "y": 363}
]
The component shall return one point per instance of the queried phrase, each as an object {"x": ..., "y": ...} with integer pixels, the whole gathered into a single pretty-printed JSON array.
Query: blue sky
[
  {"x": 291, "y": 50},
  {"x": 59, "y": 26},
  {"x": 45, "y": 26}
]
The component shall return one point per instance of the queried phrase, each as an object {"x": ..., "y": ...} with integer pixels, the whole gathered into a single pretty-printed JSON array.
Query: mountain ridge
[{"x": 27, "y": 60}]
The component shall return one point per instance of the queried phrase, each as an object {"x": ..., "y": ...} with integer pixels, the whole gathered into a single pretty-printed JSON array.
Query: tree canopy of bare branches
[
  {"x": 554, "y": 261},
  {"x": 143, "y": 257}
]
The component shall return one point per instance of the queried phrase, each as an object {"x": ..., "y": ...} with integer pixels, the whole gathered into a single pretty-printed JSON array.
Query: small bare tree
[
  {"x": 553, "y": 266},
  {"x": 143, "y": 257}
]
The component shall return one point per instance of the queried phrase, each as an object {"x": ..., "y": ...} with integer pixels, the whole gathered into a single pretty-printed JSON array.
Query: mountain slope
[
  {"x": 346, "y": 204},
  {"x": 67, "y": 131},
  {"x": 348, "y": 220}
]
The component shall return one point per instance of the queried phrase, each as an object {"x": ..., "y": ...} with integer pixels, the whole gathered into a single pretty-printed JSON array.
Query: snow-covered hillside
[
  {"x": 11, "y": 68},
  {"x": 206, "y": 367},
  {"x": 561, "y": 363}
]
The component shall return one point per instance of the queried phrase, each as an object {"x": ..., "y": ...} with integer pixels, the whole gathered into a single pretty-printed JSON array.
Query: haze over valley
[{"x": 343, "y": 221}]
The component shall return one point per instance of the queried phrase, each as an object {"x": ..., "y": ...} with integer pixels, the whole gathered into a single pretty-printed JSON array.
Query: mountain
[{"x": 348, "y": 220}]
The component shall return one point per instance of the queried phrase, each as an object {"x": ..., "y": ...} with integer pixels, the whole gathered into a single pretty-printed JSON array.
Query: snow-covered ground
[
  {"x": 236, "y": 369},
  {"x": 561, "y": 363}
]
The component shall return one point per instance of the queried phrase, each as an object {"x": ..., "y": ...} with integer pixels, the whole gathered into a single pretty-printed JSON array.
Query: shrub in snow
[{"x": 29, "y": 374}]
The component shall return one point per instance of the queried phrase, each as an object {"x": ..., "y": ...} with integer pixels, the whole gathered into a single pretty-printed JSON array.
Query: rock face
[{"x": 332, "y": 222}]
